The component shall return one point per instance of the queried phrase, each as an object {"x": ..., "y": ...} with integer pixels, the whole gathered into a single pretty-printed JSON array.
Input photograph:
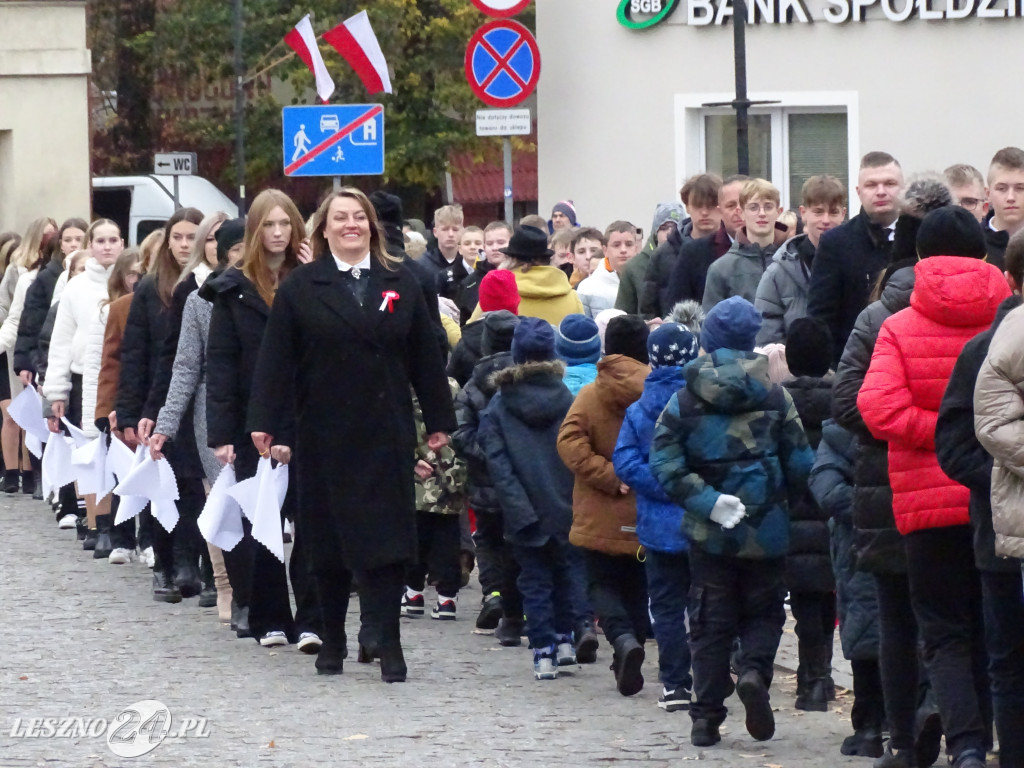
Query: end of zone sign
[
  {"x": 333, "y": 140},
  {"x": 502, "y": 63}
]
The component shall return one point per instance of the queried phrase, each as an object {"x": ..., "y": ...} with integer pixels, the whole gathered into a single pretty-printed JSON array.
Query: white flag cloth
[
  {"x": 221, "y": 518},
  {"x": 261, "y": 498},
  {"x": 27, "y": 411},
  {"x": 151, "y": 481},
  {"x": 77, "y": 435},
  {"x": 355, "y": 40},
  {"x": 57, "y": 468},
  {"x": 302, "y": 40}
]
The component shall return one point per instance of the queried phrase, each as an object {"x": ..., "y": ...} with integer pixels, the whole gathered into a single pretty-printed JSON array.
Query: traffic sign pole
[
  {"x": 177, "y": 198},
  {"x": 509, "y": 200}
]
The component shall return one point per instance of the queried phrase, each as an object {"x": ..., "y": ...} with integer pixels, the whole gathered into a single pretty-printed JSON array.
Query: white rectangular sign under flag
[{"x": 503, "y": 122}]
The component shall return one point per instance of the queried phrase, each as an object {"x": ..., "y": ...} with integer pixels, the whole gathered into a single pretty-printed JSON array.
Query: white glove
[{"x": 728, "y": 511}]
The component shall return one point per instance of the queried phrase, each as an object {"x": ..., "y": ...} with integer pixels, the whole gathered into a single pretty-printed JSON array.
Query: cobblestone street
[{"x": 85, "y": 639}]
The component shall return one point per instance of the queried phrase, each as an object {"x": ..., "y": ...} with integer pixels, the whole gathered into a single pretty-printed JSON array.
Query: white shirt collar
[
  {"x": 346, "y": 267},
  {"x": 992, "y": 224},
  {"x": 470, "y": 266}
]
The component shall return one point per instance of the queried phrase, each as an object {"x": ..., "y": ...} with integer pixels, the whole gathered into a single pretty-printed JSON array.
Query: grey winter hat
[{"x": 499, "y": 326}]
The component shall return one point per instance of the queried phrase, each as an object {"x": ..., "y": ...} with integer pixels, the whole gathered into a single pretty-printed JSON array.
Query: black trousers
[
  {"x": 380, "y": 600},
  {"x": 499, "y": 569},
  {"x": 868, "y": 709},
  {"x": 815, "y": 616},
  {"x": 617, "y": 588},
  {"x": 945, "y": 591},
  {"x": 439, "y": 540},
  {"x": 175, "y": 548},
  {"x": 898, "y": 657},
  {"x": 1003, "y": 600},
  {"x": 732, "y": 598}
]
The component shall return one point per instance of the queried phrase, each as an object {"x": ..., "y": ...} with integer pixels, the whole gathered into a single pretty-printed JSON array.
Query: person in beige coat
[{"x": 603, "y": 507}]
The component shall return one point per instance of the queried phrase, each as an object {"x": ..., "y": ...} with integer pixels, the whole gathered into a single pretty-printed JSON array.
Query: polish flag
[
  {"x": 355, "y": 41},
  {"x": 302, "y": 40}
]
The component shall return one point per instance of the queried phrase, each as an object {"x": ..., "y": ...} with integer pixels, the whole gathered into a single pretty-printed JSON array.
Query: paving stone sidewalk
[{"x": 85, "y": 639}]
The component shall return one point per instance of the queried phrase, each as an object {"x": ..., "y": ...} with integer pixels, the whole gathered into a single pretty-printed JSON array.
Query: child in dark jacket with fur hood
[{"x": 518, "y": 433}]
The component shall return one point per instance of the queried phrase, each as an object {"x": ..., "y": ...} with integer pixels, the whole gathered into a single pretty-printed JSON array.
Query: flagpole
[{"x": 239, "y": 107}]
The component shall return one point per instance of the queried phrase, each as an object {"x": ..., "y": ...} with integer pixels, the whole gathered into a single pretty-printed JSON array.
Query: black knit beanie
[{"x": 627, "y": 335}]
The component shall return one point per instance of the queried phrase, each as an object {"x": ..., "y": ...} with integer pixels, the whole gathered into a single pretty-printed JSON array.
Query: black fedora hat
[{"x": 528, "y": 244}]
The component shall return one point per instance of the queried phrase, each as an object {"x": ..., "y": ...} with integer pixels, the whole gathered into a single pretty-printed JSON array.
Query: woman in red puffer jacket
[{"x": 956, "y": 294}]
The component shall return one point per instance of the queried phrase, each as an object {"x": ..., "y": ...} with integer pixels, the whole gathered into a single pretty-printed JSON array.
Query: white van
[{"x": 140, "y": 204}]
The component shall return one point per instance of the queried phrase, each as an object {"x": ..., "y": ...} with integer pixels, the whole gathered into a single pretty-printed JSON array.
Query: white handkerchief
[
  {"x": 58, "y": 470},
  {"x": 90, "y": 464},
  {"x": 221, "y": 519},
  {"x": 166, "y": 513},
  {"x": 77, "y": 435},
  {"x": 121, "y": 459},
  {"x": 261, "y": 499},
  {"x": 155, "y": 481},
  {"x": 34, "y": 444},
  {"x": 27, "y": 411}
]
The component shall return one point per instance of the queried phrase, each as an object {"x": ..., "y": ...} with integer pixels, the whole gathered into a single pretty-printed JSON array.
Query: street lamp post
[{"x": 239, "y": 106}]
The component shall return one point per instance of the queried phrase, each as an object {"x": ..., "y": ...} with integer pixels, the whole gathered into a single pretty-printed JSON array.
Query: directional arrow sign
[{"x": 174, "y": 163}]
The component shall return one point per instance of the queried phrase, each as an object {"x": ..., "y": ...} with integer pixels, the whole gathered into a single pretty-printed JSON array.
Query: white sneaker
[
  {"x": 121, "y": 556},
  {"x": 271, "y": 639},
  {"x": 148, "y": 557},
  {"x": 309, "y": 642},
  {"x": 67, "y": 522}
]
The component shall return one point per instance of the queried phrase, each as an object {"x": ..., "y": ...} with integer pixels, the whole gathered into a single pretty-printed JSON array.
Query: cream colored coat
[{"x": 999, "y": 423}]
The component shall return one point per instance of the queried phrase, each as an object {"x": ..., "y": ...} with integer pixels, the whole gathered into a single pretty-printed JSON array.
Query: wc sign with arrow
[{"x": 174, "y": 163}]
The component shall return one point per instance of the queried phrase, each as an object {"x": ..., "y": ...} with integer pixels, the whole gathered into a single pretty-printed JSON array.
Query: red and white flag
[
  {"x": 355, "y": 41},
  {"x": 302, "y": 40}
]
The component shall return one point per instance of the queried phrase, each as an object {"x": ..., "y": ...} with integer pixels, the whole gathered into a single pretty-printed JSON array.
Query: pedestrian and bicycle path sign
[{"x": 333, "y": 140}]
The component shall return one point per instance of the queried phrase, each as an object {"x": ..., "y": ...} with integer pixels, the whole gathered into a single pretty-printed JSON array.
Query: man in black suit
[{"x": 851, "y": 256}]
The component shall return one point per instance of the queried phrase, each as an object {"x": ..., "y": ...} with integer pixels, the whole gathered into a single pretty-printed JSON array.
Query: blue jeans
[
  {"x": 547, "y": 586},
  {"x": 1003, "y": 603},
  {"x": 668, "y": 585}
]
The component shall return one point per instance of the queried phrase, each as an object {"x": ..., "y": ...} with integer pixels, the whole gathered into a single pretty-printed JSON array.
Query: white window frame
[{"x": 691, "y": 148}]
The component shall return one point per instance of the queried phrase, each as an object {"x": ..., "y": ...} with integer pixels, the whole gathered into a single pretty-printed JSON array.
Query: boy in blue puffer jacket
[
  {"x": 658, "y": 519},
  {"x": 729, "y": 449}
]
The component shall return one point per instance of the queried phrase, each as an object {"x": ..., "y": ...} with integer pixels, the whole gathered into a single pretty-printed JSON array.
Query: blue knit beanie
[
  {"x": 670, "y": 344},
  {"x": 731, "y": 324},
  {"x": 578, "y": 340},
  {"x": 533, "y": 341}
]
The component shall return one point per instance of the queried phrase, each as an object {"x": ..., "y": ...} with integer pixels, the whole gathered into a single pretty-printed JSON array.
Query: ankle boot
[
  {"x": 103, "y": 544},
  {"x": 626, "y": 663},
  {"x": 814, "y": 696},
  {"x": 186, "y": 564},
  {"x": 208, "y": 593},
  {"x": 242, "y": 623},
  {"x": 392, "y": 660},
  {"x": 11, "y": 478},
  {"x": 164, "y": 590},
  {"x": 28, "y": 482},
  {"x": 91, "y": 537}
]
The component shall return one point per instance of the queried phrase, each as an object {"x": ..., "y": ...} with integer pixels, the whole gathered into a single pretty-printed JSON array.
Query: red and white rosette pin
[{"x": 390, "y": 297}]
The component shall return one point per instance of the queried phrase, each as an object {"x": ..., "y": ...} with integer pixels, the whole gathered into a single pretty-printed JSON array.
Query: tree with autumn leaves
[{"x": 169, "y": 62}]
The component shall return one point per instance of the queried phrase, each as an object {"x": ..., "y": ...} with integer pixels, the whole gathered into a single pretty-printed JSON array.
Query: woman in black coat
[
  {"x": 241, "y": 298},
  {"x": 346, "y": 338},
  {"x": 176, "y": 571}
]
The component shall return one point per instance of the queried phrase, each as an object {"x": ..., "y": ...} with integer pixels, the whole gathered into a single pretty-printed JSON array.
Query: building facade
[
  {"x": 44, "y": 112},
  {"x": 622, "y": 100}
]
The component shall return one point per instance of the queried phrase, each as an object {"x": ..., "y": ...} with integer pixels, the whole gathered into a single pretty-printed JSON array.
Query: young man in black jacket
[{"x": 851, "y": 256}]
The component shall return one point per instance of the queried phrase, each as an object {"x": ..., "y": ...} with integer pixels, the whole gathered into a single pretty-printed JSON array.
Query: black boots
[
  {"x": 863, "y": 742},
  {"x": 103, "y": 546},
  {"x": 11, "y": 481},
  {"x": 509, "y": 633},
  {"x": 208, "y": 594},
  {"x": 753, "y": 693},
  {"x": 164, "y": 590},
  {"x": 812, "y": 679},
  {"x": 586, "y": 642},
  {"x": 627, "y": 659}
]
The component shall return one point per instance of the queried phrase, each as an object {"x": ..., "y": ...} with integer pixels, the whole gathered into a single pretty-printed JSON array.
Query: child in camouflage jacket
[{"x": 440, "y": 500}]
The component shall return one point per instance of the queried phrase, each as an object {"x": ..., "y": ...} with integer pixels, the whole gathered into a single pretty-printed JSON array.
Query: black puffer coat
[
  {"x": 879, "y": 545},
  {"x": 809, "y": 562},
  {"x": 33, "y": 316},
  {"x": 467, "y": 352}
]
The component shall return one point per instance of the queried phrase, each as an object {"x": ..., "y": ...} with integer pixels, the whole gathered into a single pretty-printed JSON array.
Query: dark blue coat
[
  {"x": 519, "y": 435},
  {"x": 831, "y": 484},
  {"x": 658, "y": 519}
]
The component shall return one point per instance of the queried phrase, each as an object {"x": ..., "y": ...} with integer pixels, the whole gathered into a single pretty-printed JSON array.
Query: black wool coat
[
  {"x": 345, "y": 372},
  {"x": 845, "y": 269},
  {"x": 690, "y": 270},
  {"x": 33, "y": 316},
  {"x": 237, "y": 323},
  {"x": 138, "y": 396},
  {"x": 809, "y": 562}
]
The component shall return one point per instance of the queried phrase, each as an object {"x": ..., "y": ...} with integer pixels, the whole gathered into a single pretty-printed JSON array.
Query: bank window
[{"x": 787, "y": 145}]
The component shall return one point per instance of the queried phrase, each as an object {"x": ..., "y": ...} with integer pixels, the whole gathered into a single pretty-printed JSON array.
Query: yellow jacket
[{"x": 544, "y": 292}]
